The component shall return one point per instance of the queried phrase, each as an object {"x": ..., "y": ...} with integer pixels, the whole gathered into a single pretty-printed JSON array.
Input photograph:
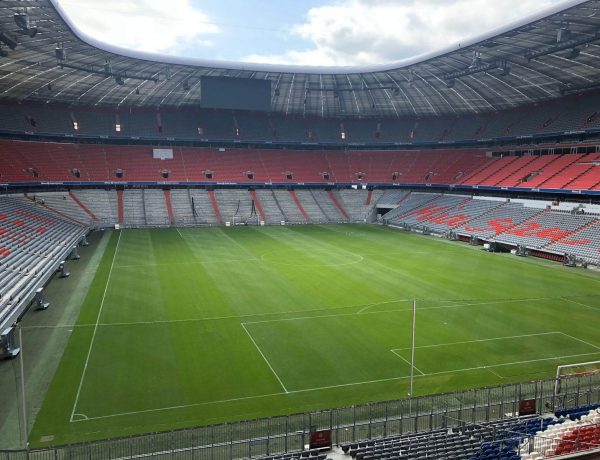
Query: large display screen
[{"x": 235, "y": 93}]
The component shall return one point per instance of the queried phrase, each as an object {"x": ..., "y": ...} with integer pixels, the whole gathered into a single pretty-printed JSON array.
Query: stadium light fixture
[
  {"x": 477, "y": 61},
  {"x": 562, "y": 46},
  {"x": 23, "y": 21},
  {"x": 563, "y": 34},
  {"x": 8, "y": 40},
  {"x": 119, "y": 80},
  {"x": 60, "y": 53}
]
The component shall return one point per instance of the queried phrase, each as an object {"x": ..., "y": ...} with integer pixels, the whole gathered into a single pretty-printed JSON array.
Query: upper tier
[
  {"x": 574, "y": 116},
  {"x": 43, "y": 163}
]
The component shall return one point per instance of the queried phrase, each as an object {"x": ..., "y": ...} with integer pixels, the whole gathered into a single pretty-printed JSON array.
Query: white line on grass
[
  {"x": 216, "y": 261},
  {"x": 265, "y": 358},
  {"x": 311, "y": 310},
  {"x": 582, "y": 304},
  {"x": 400, "y": 310},
  {"x": 407, "y": 362},
  {"x": 582, "y": 341},
  {"x": 482, "y": 340},
  {"x": 492, "y": 371},
  {"x": 329, "y": 387},
  {"x": 87, "y": 359}
]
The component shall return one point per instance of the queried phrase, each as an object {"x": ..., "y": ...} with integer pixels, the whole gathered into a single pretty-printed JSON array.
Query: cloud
[
  {"x": 358, "y": 32},
  {"x": 145, "y": 25}
]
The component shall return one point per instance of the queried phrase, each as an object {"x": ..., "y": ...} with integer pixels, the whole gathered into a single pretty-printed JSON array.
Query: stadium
[{"x": 204, "y": 259}]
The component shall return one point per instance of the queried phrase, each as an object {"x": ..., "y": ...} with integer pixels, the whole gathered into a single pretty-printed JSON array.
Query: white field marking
[
  {"x": 265, "y": 358},
  {"x": 397, "y": 310},
  {"x": 582, "y": 304},
  {"x": 407, "y": 361},
  {"x": 289, "y": 312},
  {"x": 218, "y": 318},
  {"x": 213, "y": 261},
  {"x": 481, "y": 340},
  {"x": 514, "y": 363},
  {"x": 582, "y": 341},
  {"x": 494, "y": 372},
  {"x": 376, "y": 304},
  {"x": 366, "y": 307},
  {"x": 81, "y": 417},
  {"x": 329, "y": 387},
  {"x": 87, "y": 359}
]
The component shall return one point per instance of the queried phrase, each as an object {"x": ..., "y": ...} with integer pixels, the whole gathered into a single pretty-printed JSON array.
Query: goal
[
  {"x": 574, "y": 371},
  {"x": 245, "y": 213}
]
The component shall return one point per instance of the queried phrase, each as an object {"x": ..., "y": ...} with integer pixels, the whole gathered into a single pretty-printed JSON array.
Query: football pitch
[{"x": 189, "y": 326}]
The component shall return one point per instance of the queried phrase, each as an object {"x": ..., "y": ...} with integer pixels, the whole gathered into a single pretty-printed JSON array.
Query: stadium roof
[{"x": 542, "y": 57}]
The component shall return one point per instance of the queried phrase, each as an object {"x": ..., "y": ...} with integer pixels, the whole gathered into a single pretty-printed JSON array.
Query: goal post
[
  {"x": 571, "y": 371},
  {"x": 245, "y": 213}
]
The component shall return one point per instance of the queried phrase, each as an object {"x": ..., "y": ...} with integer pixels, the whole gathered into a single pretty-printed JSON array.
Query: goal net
[
  {"x": 245, "y": 213},
  {"x": 574, "y": 372}
]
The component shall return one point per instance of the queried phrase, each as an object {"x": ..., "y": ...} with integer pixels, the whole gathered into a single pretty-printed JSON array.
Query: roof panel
[{"x": 448, "y": 82}]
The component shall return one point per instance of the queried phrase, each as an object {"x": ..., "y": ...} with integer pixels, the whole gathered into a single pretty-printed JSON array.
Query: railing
[{"x": 347, "y": 424}]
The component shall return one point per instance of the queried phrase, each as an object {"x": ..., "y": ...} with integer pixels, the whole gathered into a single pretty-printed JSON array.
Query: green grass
[{"x": 199, "y": 326}]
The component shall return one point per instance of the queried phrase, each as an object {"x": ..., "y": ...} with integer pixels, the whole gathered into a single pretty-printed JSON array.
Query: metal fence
[{"x": 275, "y": 435}]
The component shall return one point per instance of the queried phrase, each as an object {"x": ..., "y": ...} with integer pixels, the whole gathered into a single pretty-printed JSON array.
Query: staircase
[
  {"x": 300, "y": 208},
  {"x": 82, "y": 206},
  {"x": 213, "y": 200},
  {"x": 338, "y": 205},
  {"x": 258, "y": 205},
  {"x": 169, "y": 206},
  {"x": 120, "y": 206}
]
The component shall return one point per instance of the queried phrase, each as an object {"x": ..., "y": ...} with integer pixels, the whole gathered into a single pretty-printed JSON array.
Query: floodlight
[
  {"x": 477, "y": 61},
  {"x": 563, "y": 35},
  {"x": 8, "y": 40},
  {"x": 60, "y": 53}
]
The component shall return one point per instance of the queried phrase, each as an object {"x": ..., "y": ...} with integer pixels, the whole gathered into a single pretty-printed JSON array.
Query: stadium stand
[
  {"x": 155, "y": 208},
  {"x": 33, "y": 241},
  {"x": 583, "y": 243},
  {"x": 359, "y": 204},
  {"x": 290, "y": 206},
  {"x": 203, "y": 206},
  {"x": 236, "y": 206},
  {"x": 78, "y": 154},
  {"x": 273, "y": 212},
  {"x": 562, "y": 115},
  {"x": 528, "y": 438},
  {"x": 576, "y": 430},
  {"x": 134, "y": 211}
]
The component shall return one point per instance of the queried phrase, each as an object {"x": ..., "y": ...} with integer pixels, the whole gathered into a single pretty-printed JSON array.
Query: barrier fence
[{"x": 282, "y": 434}]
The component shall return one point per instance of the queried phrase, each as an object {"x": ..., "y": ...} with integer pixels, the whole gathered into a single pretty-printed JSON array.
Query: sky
[{"x": 301, "y": 32}]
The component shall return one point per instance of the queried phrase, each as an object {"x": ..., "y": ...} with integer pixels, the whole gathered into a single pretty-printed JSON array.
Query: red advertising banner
[{"x": 320, "y": 439}]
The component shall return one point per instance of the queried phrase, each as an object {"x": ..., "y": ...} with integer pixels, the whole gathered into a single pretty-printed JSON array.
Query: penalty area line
[
  {"x": 407, "y": 361},
  {"x": 265, "y": 358},
  {"x": 329, "y": 387}
]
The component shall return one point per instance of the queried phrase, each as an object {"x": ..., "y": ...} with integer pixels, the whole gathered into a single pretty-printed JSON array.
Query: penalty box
[{"x": 313, "y": 353}]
